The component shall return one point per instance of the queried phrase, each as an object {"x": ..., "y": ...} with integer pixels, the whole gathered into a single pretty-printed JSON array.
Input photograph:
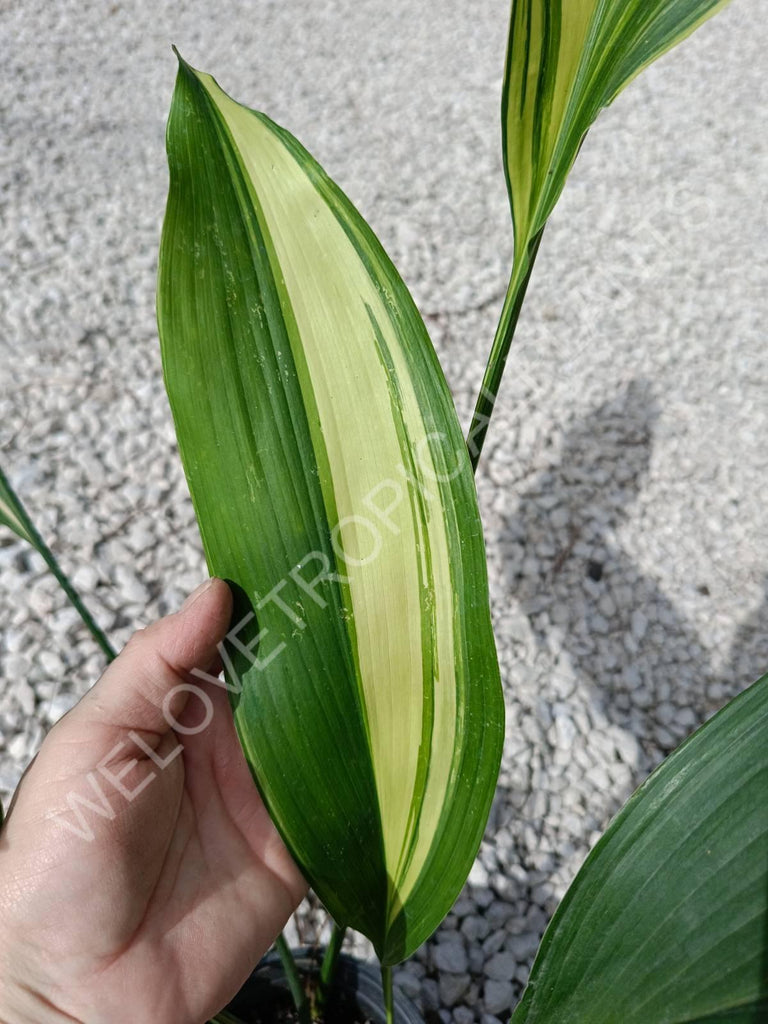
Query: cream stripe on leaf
[
  {"x": 566, "y": 60},
  {"x": 332, "y": 486}
]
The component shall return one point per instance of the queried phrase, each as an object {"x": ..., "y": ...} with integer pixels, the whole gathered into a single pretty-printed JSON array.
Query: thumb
[
  {"x": 148, "y": 685},
  {"x": 140, "y": 697}
]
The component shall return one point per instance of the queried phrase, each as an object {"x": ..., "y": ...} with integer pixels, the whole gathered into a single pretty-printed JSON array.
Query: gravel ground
[{"x": 625, "y": 524}]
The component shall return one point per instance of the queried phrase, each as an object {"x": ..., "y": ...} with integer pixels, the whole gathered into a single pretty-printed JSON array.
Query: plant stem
[
  {"x": 494, "y": 370},
  {"x": 39, "y": 545},
  {"x": 225, "y": 1017},
  {"x": 77, "y": 603},
  {"x": 328, "y": 967},
  {"x": 294, "y": 981},
  {"x": 386, "y": 985}
]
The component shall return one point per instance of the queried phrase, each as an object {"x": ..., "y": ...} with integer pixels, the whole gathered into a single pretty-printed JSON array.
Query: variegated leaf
[
  {"x": 566, "y": 60},
  {"x": 333, "y": 487}
]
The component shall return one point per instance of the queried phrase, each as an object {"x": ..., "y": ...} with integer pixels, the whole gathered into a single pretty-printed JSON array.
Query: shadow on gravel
[
  {"x": 624, "y": 655},
  {"x": 748, "y": 658},
  {"x": 640, "y": 658}
]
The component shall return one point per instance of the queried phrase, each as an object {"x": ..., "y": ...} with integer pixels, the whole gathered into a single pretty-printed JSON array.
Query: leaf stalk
[
  {"x": 505, "y": 332},
  {"x": 386, "y": 985},
  {"x": 293, "y": 978},
  {"x": 328, "y": 968}
]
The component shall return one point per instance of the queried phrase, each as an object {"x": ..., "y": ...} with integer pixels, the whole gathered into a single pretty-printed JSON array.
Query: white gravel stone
[
  {"x": 500, "y": 912},
  {"x": 451, "y": 987},
  {"x": 475, "y": 928},
  {"x": 463, "y": 1015},
  {"x": 85, "y": 578},
  {"x": 17, "y": 668},
  {"x": 627, "y": 747},
  {"x": 9, "y": 780},
  {"x": 25, "y": 696},
  {"x": 665, "y": 713},
  {"x": 59, "y": 706},
  {"x": 484, "y": 898},
  {"x": 498, "y": 996},
  {"x": 478, "y": 876},
  {"x": 639, "y": 624},
  {"x": 52, "y": 664},
  {"x": 18, "y": 748},
  {"x": 450, "y": 956},
  {"x": 494, "y": 942},
  {"x": 501, "y": 967},
  {"x": 522, "y": 947},
  {"x": 476, "y": 959},
  {"x": 408, "y": 984},
  {"x": 430, "y": 994},
  {"x": 463, "y": 906},
  {"x": 563, "y": 733}
]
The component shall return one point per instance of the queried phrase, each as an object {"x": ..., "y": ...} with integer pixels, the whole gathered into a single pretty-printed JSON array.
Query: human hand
[{"x": 160, "y": 913}]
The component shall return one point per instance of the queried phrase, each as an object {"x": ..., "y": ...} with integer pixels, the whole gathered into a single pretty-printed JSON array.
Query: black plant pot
[{"x": 355, "y": 996}]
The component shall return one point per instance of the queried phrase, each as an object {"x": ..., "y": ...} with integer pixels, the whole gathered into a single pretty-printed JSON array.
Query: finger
[{"x": 149, "y": 684}]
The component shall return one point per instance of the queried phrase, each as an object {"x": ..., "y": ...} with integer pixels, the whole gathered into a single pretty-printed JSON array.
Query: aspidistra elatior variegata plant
[{"x": 332, "y": 486}]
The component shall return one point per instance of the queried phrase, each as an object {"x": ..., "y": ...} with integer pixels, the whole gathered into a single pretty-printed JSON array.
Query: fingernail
[{"x": 196, "y": 593}]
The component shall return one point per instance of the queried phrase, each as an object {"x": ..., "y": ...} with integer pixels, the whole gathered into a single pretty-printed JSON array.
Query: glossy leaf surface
[
  {"x": 667, "y": 921},
  {"x": 332, "y": 486}
]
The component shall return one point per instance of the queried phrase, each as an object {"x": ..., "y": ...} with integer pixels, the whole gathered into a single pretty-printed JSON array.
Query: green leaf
[
  {"x": 332, "y": 486},
  {"x": 13, "y": 514},
  {"x": 566, "y": 60},
  {"x": 667, "y": 921}
]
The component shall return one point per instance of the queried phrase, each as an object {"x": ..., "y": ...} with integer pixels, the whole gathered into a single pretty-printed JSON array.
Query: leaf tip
[{"x": 183, "y": 66}]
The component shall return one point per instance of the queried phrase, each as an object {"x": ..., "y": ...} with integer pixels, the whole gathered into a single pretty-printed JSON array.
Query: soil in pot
[{"x": 355, "y": 996}]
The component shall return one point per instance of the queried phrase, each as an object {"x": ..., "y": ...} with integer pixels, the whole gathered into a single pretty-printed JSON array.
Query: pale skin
[{"x": 162, "y": 915}]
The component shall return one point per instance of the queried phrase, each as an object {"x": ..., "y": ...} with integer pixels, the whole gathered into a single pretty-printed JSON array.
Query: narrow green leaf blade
[
  {"x": 15, "y": 516},
  {"x": 667, "y": 921},
  {"x": 332, "y": 485}
]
